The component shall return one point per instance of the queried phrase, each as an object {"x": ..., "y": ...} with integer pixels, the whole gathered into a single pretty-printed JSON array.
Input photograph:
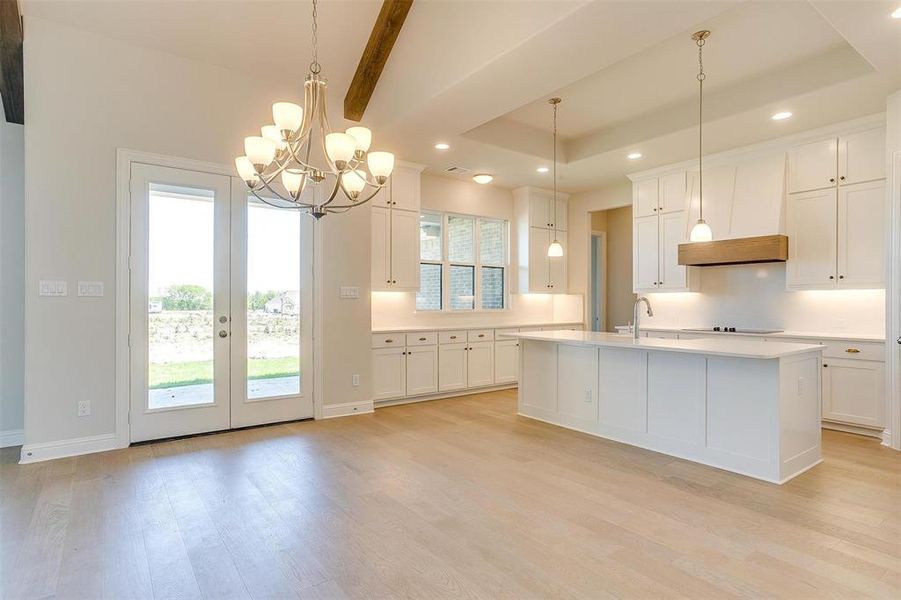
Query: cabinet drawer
[
  {"x": 501, "y": 333},
  {"x": 452, "y": 337},
  {"x": 481, "y": 335},
  {"x": 387, "y": 340},
  {"x": 854, "y": 350},
  {"x": 425, "y": 338}
]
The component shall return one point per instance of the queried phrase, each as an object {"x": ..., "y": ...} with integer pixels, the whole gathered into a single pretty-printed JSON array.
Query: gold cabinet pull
[
  {"x": 389, "y": 341},
  {"x": 421, "y": 339},
  {"x": 852, "y": 351}
]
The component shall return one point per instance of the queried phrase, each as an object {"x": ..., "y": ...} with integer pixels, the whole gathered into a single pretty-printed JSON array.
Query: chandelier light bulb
[
  {"x": 555, "y": 250},
  {"x": 272, "y": 132},
  {"x": 354, "y": 182},
  {"x": 292, "y": 179},
  {"x": 246, "y": 170},
  {"x": 380, "y": 165},
  {"x": 340, "y": 148},
  {"x": 287, "y": 116},
  {"x": 362, "y": 137},
  {"x": 260, "y": 151},
  {"x": 701, "y": 232}
]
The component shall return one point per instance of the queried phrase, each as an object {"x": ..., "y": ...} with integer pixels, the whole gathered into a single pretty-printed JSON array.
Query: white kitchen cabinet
[
  {"x": 812, "y": 166},
  {"x": 644, "y": 198},
  {"x": 672, "y": 190},
  {"x": 546, "y": 275},
  {"x": 646, "y": 254},
  {"x": 380, "y": 257},
  {"x": 506, "y": 361},
  {"x": 861, "y": 156},
  {"x": 541, "y": 211},
  {"x": 557, "y": 266},
  {"x": 861, "y": 214},
  {"x": 404, "y": 250},
  {"x": 853, "y": 392},
  {"x": 389, "y": 373},
  {"x": 395, "y": 232},
  {"x": 422, "y": 370},
  {"x": 382, "y": 198},
  {"x": 452, "y": 366},
  {"x": 480, "y": 364},
  {"x": 536, "y": 228},
  {"x": 406, "y": 187},
  {"x": 671, "y": 275},
  {"x": 655, "y": 254},
  {"x": 811, "y": 226}
]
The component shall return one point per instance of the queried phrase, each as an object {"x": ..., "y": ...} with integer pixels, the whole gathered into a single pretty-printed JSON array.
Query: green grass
[{"x": 197, "y": 372}]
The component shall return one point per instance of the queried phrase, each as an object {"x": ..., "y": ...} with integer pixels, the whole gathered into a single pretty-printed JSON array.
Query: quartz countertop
[
  {"x": 711, "y": 347},
  {"x": 820, "y": 335},
  {"x": 417, "y": 328}
]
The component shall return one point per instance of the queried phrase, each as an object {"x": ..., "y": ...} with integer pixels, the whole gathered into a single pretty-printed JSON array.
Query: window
[{"x": 466, "y": 256}]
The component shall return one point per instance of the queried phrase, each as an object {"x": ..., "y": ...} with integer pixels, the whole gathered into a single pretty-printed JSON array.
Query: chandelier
[
  {"x": 283, "y": 151},
  {"x": 555, "y": 249},
  {"x": 701, "y": 231}
]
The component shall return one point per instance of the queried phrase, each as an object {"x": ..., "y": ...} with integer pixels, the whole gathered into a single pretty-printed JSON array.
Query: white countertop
[
  {"x": 711, "y": 347},
  {"x": 819, "y": 335},
  {"x": 417, "y": 328}
]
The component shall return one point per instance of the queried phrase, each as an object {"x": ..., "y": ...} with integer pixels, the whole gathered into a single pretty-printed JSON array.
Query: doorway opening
[{"x": 610, "y": 294}]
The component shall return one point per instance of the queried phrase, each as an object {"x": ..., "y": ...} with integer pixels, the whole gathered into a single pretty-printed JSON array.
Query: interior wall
[
  {"x": 619, "y": 267},
  {"x": 12, "y": 283},
  {"x": 893, "y": 267},
  {"x": 86, "y": 96}
]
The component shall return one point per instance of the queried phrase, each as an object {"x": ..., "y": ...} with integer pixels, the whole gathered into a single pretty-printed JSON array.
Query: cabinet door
[
  {"x": 557, "y": 266},
  {"x": 404, "y": 250},
  {"x": 406, "y": 188},
  {"x": 559, "y": 221},
  {"x": 422, "y": 370},
  {"x": 389, "y": 373},
  {"x": 861, "y": 239},
  {"x": 645, "y": 253},
  {"x": 861, "y": 157},
  {"x": 672, "y": 192},
  {"x": 539, "y": 267},
  {"x": 540, "y": 210},
  {"x": 452, "y": 367},
  {"x": 383, "y": 197},
  {"x": 644, "y": 198},
  {"x": 853, "y": 392},
  {"x": 812, "y": 166},
  {"x": 480, "y": 364},
  {"x": 506, "y": 361},
  {"x": 381, "y": 248},
  {"x": 673, "y": 276},
  {"x": 810, "y": 222}
]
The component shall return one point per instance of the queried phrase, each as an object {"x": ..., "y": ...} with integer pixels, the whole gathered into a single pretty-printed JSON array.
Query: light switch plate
[
  {"x": 52, "y": 287},
  {"x": 90, "y": 289},
  {"x": 349, "y": 292}
]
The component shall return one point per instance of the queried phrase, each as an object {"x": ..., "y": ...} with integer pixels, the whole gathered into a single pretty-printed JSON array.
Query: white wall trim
[
  {"x": 12, "y": 437},
  {"x": 893, "y": 305},
  {"x": 346, "y": 409},
  {"x": 752, "y": 150},
  {"x": 32, "y": 453},
  {"x": 445, "y": 395}
]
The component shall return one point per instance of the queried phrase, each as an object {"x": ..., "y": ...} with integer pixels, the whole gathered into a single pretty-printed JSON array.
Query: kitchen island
[{"x": 744, "y": 406}]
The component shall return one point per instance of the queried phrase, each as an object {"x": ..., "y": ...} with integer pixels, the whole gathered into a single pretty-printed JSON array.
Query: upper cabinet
[
  {"x": 844, "y": 160},
  {"x": 395, "y": 231},
  {"x": 536, "y": 227}
]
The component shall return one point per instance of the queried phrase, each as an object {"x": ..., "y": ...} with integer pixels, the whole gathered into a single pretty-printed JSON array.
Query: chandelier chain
[
  {"x": 701, "y": 77},
  {"x": 315, "y": 68}
]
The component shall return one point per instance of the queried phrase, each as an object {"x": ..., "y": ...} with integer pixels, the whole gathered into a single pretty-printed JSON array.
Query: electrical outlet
[
  {"x": 84, "y": 408},
  {"x": 801, "y": 386},
  {"x": 90, "y": 289},
  {"x": 355, "y": 380},
  {"x": 52, "y": 287},
  {"x": 349, "y": 292}
]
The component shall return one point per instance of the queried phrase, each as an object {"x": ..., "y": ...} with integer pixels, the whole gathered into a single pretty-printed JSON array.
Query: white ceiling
[{"x": 477, "y": 74}]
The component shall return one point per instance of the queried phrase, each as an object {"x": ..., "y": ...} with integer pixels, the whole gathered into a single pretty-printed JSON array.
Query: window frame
[{"x": 476, "y": 264}]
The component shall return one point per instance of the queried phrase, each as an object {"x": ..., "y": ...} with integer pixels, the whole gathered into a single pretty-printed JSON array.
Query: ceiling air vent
[{"x": 458, "y": 170}]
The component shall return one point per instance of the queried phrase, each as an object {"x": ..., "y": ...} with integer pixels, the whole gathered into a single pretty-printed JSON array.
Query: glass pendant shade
[
  {"x": 246, "y": 170},
  {"x": 287, "y": 116},
  {"x": 260, "y": 150},
  {"x": 272, "y": 132},
  {"x": 555, "y": 250},
  {"x": 292, "y": 180},
  {"x": 380, "y": 163},
  {"x": 362, "y": 137},
  {"x": 701, "y": 232},
  {"x": 340, "y": 147},
  {"x": 354, "y": 181}
]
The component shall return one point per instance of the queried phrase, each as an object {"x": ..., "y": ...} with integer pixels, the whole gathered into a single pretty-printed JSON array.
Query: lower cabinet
[
  {"x": 480, "y": 364},
  {"x": 853, "y": 391},
  {"x": 389, "y": 373},
  {"x": 422, "y": 370},
  {"x": 452, "y": 367},
  {"x": 506, "y": 361}
]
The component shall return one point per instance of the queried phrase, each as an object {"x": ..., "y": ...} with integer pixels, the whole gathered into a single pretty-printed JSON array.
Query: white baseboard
[
  {"x": 330, "y": 411},
  {"x": 32, "y": 453},
  {"x": 886, "y": 438},
  {"x": 875, "y": 433},
  {"x": 443, "y": 395},
  {"x": 12, "y": 437}
]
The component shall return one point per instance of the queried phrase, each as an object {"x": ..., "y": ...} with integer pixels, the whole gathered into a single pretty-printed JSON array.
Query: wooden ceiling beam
[
  {"x": 11, "y": 77},
  {"x": 375, "y": 55}
]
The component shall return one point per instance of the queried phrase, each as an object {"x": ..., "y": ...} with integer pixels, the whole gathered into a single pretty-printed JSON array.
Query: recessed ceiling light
[
  {"x": 781, "y": 116},
  {"x": 542, "y": 169},
  {"x": 896, "y": 14},
  {"x": 441, "y": 146},
  {"x": 634, "y": 155},
  {"x": 482, "y": 178}
]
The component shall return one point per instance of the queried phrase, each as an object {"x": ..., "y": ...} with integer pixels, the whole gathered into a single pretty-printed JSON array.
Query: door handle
[{"x": 223, "y": 333}]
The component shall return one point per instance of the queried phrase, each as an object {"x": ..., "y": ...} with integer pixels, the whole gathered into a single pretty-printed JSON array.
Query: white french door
[{"x": 220, "y": 306}]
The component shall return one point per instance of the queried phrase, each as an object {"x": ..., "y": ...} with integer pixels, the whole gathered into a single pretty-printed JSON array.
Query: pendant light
[
  {"x": 701, "y": 231},
  {"x": 555, "y": 250}
]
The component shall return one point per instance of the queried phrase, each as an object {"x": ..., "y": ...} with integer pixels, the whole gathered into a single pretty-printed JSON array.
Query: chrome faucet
[{"x": 635, "y": 314}]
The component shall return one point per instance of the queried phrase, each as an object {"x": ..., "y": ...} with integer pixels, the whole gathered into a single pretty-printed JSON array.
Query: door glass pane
[
  {"x": 461, "y": 239},
  {"x": 273, "y": 301},
  {"x": 180, "y": 288},
  {"x": 462, "y": 287}
]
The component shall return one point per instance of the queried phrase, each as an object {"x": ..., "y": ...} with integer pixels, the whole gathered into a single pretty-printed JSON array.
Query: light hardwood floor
[{"x": 446, "y": 499}]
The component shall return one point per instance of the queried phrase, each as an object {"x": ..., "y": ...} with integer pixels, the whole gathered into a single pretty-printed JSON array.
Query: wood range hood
[{"x": 739, "y": 251}]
